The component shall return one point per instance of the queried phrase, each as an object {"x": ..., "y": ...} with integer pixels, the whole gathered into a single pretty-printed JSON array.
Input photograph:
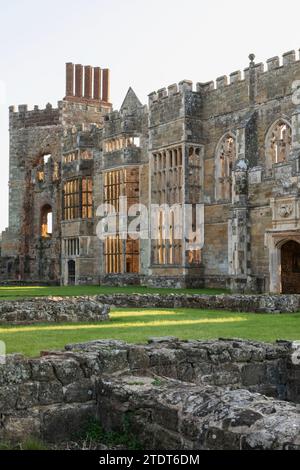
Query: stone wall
[
  {"x": 96, "y": 308},
  {"x": 53, "y": 309},
  {"x": 184, "y": 395},
  {"x": 234, "y": 302}
]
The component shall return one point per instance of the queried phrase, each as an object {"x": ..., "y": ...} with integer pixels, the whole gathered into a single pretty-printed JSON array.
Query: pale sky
[{"x": 146, "y": 44}]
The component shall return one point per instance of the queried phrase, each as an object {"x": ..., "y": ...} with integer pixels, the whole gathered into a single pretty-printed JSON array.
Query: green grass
[
  {"x": 15, "y": 292},
  {"x": 30, "y": 443},
  {"x": 136, "y": 325}
]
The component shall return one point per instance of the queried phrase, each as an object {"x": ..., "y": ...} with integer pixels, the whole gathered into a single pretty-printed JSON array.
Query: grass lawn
[
  {"x": 136, "y": 325},
  {"x": 15, "y": 292}
]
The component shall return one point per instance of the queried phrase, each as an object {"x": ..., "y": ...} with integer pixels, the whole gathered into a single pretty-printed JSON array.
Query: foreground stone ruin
[{"x": 225, "y": 394}]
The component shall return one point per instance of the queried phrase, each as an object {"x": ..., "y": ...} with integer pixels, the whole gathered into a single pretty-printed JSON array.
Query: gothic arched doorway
[
  {"x": 71, "y": 272},
  {"x": 290, "y": 268}
]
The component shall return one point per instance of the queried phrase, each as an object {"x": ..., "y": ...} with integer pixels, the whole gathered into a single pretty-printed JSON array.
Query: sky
[{"x": 147, "y": 44}]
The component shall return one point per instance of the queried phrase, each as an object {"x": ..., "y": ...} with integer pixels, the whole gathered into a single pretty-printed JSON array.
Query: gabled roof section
[{"x": 131, "y": 101}]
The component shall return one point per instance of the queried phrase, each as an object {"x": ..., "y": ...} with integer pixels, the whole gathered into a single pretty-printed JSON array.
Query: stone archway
[{"x": 290, "y": 267}]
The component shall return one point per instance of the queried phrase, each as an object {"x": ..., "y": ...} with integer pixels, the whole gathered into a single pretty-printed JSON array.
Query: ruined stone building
[{"x": 232, "y": 146}]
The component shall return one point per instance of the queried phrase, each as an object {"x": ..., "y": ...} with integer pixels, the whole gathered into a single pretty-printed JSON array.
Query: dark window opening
[
  {"x": 71, "y": 272},
  {"x": 290, "y": 267}
]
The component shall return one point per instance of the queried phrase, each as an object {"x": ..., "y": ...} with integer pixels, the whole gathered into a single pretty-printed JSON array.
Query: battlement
[
  {"x": 288, "y": 59},
  {"x": 174, "y": 89},
  {"x": 235, "y": 78},
  {"x": 25, "y": 117},
  {"x": 87, "y": 84}
]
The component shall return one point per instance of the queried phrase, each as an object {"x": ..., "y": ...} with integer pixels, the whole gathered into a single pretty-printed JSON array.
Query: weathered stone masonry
[
  {"x": 53, "y": 309},
  {"x": 223, "y": 394},
  {"x": 232, "y": 146},
  {"x": 97, "y": 308}
]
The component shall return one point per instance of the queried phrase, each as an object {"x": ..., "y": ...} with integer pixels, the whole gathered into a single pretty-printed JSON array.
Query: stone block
[
  {"x": 27, "y": 395},
  {"x": 50, "y": 392},
  {"x": 79, "y": 392},
  {"x": 63, "y": 422},
  {"x": 42, "y": 370},
  {"x": 67, "y": 370}
]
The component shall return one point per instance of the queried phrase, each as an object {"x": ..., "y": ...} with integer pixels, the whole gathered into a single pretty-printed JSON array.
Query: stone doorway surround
[{"x": 275, "y": 242}]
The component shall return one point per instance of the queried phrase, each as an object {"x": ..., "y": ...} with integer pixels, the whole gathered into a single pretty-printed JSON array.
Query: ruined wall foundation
[{"x": 226, "y": 394}]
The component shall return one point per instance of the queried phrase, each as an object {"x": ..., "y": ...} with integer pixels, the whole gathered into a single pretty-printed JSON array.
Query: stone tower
[{"x": 31, "y": 245}]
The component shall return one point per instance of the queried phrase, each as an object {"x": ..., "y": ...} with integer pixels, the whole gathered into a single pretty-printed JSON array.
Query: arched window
[
  {"x": 225, "y": 157},
  {"x": 278, "y": 143},
  {"x": 46, "y": 221}
]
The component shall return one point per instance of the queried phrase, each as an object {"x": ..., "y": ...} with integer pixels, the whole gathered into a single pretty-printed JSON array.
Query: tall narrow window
[
  {"x": 278, "y": 143},
  {"x": 167, "y": 188},
  {"x": 46, "y": 221},
  {"x": 225, "y": 158},
  {"x": 121, "y": 256},
  {"x": 113, "y": 255},
  {"x": 87, "y": 198},
  {"x": 71, "y": 272},
  {"x": 71, "y": 200}
]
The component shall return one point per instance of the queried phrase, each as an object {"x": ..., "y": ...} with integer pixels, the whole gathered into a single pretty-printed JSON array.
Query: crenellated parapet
[
  {"x": 173, "y": 90},
  {"x": 288, "y": 59},
  {"x": 175, "y": 115},
  {"x": 24, "y": 117}
]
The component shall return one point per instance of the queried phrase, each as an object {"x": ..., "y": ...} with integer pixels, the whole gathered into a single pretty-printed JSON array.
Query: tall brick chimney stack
[
  {"x": 91, "y": 84},
  {"x": 78, "y": 80},
  {"x": 88, "y": 82},
  {"x": 97, "y": 83},
  {"x": 106, "y": 85},
  {"x": 69, "y": 79}
]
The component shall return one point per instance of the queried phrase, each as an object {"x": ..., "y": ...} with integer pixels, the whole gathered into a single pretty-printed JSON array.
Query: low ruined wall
[
  {"x": 232, "y": 302},
  {"x": 96, "y": 308},
  {"x": 53, "y": 309},
  {"x": 258, "y": 367},
  {"x": 187, "y": 387},
  {"x": 171, "y": 415}
]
